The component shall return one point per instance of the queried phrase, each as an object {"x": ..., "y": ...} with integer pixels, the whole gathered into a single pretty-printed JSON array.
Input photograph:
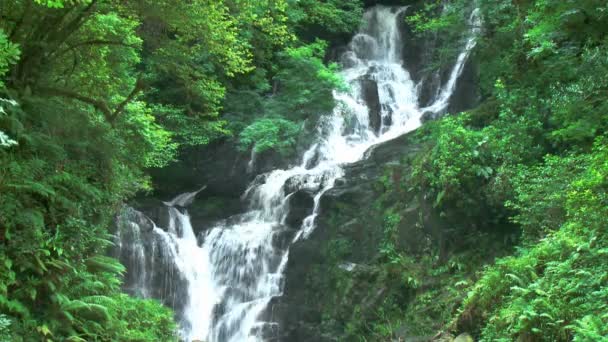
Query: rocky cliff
[
  {"x": 339, "y": 279},
  {"x": 331, "y": 277}
]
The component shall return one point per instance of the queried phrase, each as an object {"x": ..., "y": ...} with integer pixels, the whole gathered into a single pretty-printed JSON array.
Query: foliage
[
  {"x": 269, "y": 133},
  {"x": 9, "y": 54},
  {"x": 540, "y": 193},
  {"x": 59, "y": 187},
  {"x": 469, "y": 171},
  {"x": 144, "y": 130},
  {"x": 5, "y": 325},
  {"x": 304, "y": 65},
  {"x": 292, "y": 104},
  {"x": 441, "y": 22},
  {"x": 334, "y": 16},
  {"x": 534, "y": 153},
  {"x": 427, "y": 18},
  {"x": 93, "y": 94},
  {"x": 549, "y": 291},
  {"x": 419, "y": 275},
  {"x": 191, "y": 47}
]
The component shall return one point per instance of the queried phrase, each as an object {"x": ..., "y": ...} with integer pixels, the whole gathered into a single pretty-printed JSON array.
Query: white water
[
  {"x": 442, "y": 101},
  {"x": 238, "y": 268}
]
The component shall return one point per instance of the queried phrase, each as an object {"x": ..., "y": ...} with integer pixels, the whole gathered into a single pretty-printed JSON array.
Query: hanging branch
[
  {"x": 94, "y": 42},
  {"x": 100, "y": 105},
  {"x": 139, "y": 86}
]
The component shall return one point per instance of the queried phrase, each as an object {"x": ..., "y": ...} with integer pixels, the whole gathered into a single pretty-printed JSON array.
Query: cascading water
[
  {"x": 221, "y": 286},
  {"x": 442, "y": 101}
]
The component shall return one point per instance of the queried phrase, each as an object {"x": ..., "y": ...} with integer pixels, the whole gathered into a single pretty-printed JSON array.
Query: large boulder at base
[{"x": 464, "y": 337}]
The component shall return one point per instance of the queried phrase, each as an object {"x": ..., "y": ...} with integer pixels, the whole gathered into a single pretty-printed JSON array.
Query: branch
[
  {"x": 71, "y": 27},
  {"x": 99, "y": 105},
  {"x": 94, "y": 42},
  {"x": 139, "y": 86}
]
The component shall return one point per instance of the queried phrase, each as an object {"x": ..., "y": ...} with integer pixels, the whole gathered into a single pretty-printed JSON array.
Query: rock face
[
  {"x": 227, "y": 171},
  {"x": 329, "y": 279},
  {"x": 218, "y": 165},
  {"x": 418, "y": 51},
  {"x": 328, "y": 275},
  {"x": 149, "y": 270},
  {"x": 467, "y": 94},
  {"x": 224, "y": 170}
]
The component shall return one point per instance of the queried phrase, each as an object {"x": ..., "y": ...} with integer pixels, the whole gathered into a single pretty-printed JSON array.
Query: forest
[{"x": 101, "y": 99}]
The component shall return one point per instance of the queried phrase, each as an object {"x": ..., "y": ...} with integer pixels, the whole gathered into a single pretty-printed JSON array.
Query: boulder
[
  {"x": 300, "y": 206},
  {"x": 429, "y": 115},
  {"x": 305, "y": 182},
  {"x": 464, "y": 337},
  {"x": 369, "y": 92}
]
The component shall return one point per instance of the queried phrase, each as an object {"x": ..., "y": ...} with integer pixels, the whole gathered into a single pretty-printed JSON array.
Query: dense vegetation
[
  {"x": 93, "y": 94},
  {"x": 526, "y": 169}
]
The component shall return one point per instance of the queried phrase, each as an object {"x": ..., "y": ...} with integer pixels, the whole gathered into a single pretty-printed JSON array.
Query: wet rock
[
  {"x": 343, "y": 248},
  {"x": 369, "y": 92},
  {"x": 129, "y": 215},
  {"x": 387, "y": 119},
  {"x": 429, "y": 115},
  {"x": 151, "y": 271},
  {"x": 283, "y": 237},
  {"x": 218, "y": 165},
  {"x": 300, "y": 206},
  {"x": 151, "y": 207},
  {"x": 466, "y": 94},
  {"x": 346, "y": 215},
  {"x": 267, "y": 331},
  {"x": 221, "y": 167},
  {"x": 307, "y": 183},
  {"x": 314, "y": 160},
  {"x": 348, "y": 59},
  {"x": 206, "y": 212}
]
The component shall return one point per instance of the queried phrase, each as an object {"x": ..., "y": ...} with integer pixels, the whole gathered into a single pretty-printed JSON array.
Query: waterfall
[
  {"x": 442, "y": 101},
  {"x": 222, "y": 283},
  {"x": 168, "y": 265}
]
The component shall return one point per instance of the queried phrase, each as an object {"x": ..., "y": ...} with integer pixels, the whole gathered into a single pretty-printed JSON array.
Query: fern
[
  {"x": 13, "y": 306},
  {"x": 100, "y": 263},
  {"x": 90, "y": 310},
  {"x": 100, "y": 300},
  {"x": 590, "y": 328},
  {"x": 5, "y": 328}
]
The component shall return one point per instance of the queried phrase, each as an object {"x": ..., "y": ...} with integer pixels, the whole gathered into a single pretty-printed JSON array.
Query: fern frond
[{"x": 101, "y": 263}]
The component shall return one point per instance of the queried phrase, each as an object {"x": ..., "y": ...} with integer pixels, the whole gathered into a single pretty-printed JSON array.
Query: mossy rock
[{"x": 464, "y": 337}]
